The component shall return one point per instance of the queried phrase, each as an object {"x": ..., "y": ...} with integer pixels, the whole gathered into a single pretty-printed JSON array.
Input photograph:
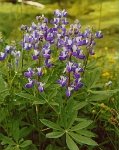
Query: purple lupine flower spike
[{"x": 30, "y": 84}]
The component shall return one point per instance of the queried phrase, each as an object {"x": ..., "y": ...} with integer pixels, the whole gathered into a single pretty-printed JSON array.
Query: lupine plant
[{"x": 48, "y": 81}]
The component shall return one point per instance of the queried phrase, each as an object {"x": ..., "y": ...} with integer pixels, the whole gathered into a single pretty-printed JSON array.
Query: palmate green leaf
[
  {"x": 54, "y": 134},
  {"x": 81, "y": 125},
  {"x": 82, "y": 139},
  {"x": 51, "y": 124},
  {"x": 70, "y": 143},
  {"x": 31, "y": 98},
  {"x": 6, "y": 140},
  {"x": 26, "y": 143}
]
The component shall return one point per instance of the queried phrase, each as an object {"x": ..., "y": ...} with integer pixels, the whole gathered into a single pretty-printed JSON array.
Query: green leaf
[
  {"x": 49, "y": 147},
  {"x": 82, "y": 139},
  {"x": 70, "y": 105},
  {"x": 92, "y": 77},
  {"x": 52, "y": 94},
  {"x": 63, "y": 117},
  {"x": 70, "y": 143},
  {"x": 81, "y": 125},
  {"x": 95, "y": 76},
  {"x": 79, "y": 105},
  {"x": 25, "y": 131},
  {"x": 54, "y": 134},
  {"x": 51, "y": 124},
  {"x": 31, "y": 98},
  {"x": 86, "y": 133},
  {"x": 26, "y": 143},
  {"x": 71, "y": 119},
  {"x": 99, "y": 97},
  {"x": 16, "y": 131},
  {"x": 6, "y": 140},
  {"x": 91, "y": 64}
]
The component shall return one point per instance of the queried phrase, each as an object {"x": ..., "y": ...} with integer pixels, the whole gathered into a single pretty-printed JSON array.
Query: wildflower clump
[{"x": 73, "y": 44}]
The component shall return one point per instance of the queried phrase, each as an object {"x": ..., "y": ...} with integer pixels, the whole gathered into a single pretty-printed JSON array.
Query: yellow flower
[
  {"x": 93, "y": 111},
  {"x": 94, "y": 56},
  {"x": 44, "y": 71},
  {"x": 105, "y": 74},
  {"x": 112, "y": 60},
  {"x": 102, "y": 105}
]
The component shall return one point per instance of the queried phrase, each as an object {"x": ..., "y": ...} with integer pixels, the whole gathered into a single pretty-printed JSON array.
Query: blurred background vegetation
[{"x": 102, "y": 14}]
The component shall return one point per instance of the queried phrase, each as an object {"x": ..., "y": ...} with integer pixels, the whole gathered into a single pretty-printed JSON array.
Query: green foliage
[{"x": 49, "y": 121}]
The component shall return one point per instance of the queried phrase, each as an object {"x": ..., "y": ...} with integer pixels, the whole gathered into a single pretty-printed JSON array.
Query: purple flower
[
  {"x": 41, "y": 86},
  {"x": 46, "y": 51},
  {"x": 68, "y": 92},
  {"x": 63, "y": 55},
  {"x": 2, "y": 56},
  {"x": 7, "y": 49},
  {"x": 48, "y": 64},
  {"x": 30, "y": 84},
  {"x": 36, "y": 55},
  {"x": 62, "y": 81},
  {"x": 39, "y": 73},
  {"x": 69, "y": 66},
  {"x": 30, "y": 73},
  {"x": 98, "y": 34}
]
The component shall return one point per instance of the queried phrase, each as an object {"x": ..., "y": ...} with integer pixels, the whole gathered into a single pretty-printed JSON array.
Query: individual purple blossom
[
  {"x": 98, "y": 34},
  {"x": 30, "y": 84},
  {"x": 46, "y": 51},
  {"x": 63, "y": 55},
  {"x": 41, "y": 86},
  {"x": 62, "y": 81},
  {"x": 30, "y": 73},
  {"x": 48, "y": 64},
  {"x": 39, "y": 73},
  {"x": 68, "y": 92},
  {"x": 8, "y": 49},
  {"x": 69, "y": 66},
  {"x": 23, "y": 27},
  {"x": 36, "y": 55},
  {"x": 2, "y": 56}
]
